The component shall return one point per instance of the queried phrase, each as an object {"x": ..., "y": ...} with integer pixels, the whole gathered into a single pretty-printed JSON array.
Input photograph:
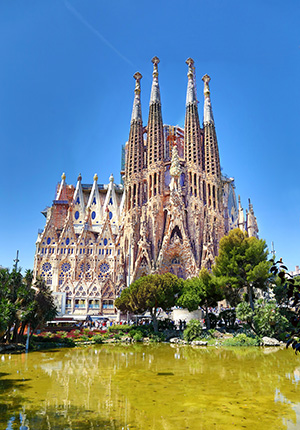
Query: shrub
[
  {"x": 158, "y": 337},
  {"x": 98, "y": 339},
  {"x": 137, "y": 337},
  {"x": 193, "y": 330},
  {"x": 119, "y": 328},
  {"x": 242, "y": 340},
  {"x": 244, "y": 312},
  {"x": 62, "y": 334},
  {"x": 145, "y": 330},
  {"x": 268, "y": 320}
]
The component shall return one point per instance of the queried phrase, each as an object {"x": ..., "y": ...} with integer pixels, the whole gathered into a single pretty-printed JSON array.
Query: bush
[
  {"x": 145, "y": 330},
  {"x": 268, "y": 320},
  {"x": 244, "y": 312},
  {"x": 137, "y": 337},
  {"x": 65, "y": 341},
  {"x": 192, "y": 331},
  {"x": 242, "y": 340},
  {"x": 62, "y": 334},
  {"x": 119, "y": 328},
  {"x": 98, "y": 339}
]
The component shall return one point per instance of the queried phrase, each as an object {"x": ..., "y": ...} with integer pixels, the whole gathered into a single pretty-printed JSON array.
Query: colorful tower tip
[
  {"x": 95, "y": 177},
  {"x": 206, "y": 80},
  {"x": 63, "y": 176},
  {"x": 137, "y": 76},
  {"x": 190, "y": 62},
  {"x": 155, "y": 60}
]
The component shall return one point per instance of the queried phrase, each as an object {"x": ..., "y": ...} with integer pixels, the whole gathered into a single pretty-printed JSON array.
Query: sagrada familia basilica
[{"x": 168, "y": 214}]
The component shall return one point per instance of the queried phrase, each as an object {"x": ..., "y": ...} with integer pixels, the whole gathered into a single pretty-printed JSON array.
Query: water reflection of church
[{"x": 168, "y": 215}]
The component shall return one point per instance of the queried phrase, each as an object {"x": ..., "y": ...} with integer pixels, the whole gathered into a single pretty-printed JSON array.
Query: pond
[{"x": 157, "y": 386}]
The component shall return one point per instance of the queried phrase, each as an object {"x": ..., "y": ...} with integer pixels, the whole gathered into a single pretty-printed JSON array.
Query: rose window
[
  {"x": 65, "y": 267},
  {"x": 46, "y": 267}
]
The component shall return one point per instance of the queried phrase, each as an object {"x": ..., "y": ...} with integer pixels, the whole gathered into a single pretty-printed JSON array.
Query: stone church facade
[{"x": 168, "y": 215}]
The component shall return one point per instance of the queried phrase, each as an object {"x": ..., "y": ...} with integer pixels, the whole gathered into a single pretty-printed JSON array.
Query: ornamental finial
[
  {"x": 137, "y": 76},
  {"x": 155, "y": 93},
  {"x": 208, "y": 117},
  {"x": 63, "y": 176},
  {"x": 95, "y": 177},
  {"x": 136, "y": 110},
  {"x": 191, "y": 97},
  {"x": 111, "y": 178},
  {"x": 79, "y": 177},
  {"x": 190, "y": 63},
  {"x": 155, "y": 61},
  {"x": 206, "y": 80}
]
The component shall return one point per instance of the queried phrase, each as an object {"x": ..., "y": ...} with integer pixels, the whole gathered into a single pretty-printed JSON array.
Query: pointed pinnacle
[
  {"x": 190, "y": 62},
  {"x": 206, "y": 80},
  {"x": 155, "y": 60},
  {"x": 79, "y": 177},
  {"x": 137, "y": 76}
]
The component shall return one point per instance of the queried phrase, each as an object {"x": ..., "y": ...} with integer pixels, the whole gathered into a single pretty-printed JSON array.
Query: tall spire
[
  {"x": 192, "y": 133},
  {"x": 135, "y": 151},
  {"x": 136, "y": 110},
  {"x": 155, "y": 93},
  {"x": 208, "y": 117},
  {"x": 211, "y": 150},
  {"x": 155, "y": 137},
  {"x": 191, "y": 90}
]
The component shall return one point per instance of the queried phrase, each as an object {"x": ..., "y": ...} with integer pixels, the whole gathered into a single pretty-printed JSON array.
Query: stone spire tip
[
  {"x": 190, "y": 62},
  {"x": 191, "y": 97},
  {"x": 208, "y": 117},
  {"x": 137, "y": 76},
  {"x": 155, "y": 93},
  {"x": 155, "y": 61},
  {"x": 136, "y": 110}
]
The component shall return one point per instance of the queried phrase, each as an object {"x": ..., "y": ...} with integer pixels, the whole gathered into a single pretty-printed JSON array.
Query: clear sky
[{"x": 66, "y": 94}]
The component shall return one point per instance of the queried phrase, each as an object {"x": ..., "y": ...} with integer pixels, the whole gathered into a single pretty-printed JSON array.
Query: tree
[
  {"x": 203, "y": 291},
  {"x": 150, "y": 293},
  {"x": 242, "y": 263},
  {"x": 23, "y": 303}
]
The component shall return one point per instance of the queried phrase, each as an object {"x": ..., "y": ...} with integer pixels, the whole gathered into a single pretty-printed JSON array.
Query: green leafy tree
[
  {"x": 193, "y": 330},
  {"x": 150, "y": 293},
  {"x": 265, "y": 320},
  {"x": 22, "y": 303},
  {"x": 203, "y": 291},
  {"x": 242, "y": 264}
]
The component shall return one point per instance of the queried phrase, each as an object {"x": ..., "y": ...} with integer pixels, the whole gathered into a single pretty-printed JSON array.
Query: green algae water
[{"x": 150, "y": 387}]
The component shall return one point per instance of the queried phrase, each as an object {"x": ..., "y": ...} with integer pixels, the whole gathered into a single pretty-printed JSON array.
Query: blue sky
[{"x": 66, "y": 94}]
